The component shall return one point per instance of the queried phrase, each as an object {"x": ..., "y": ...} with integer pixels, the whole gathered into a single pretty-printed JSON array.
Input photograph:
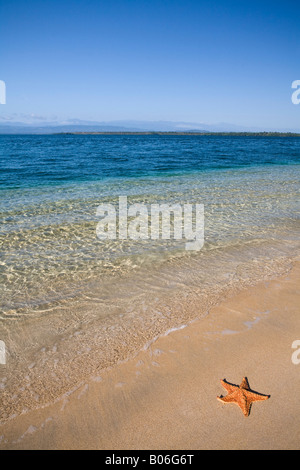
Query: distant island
[
  {"x": 80, "y": 127},
  {"x": 251, "y": 134}
]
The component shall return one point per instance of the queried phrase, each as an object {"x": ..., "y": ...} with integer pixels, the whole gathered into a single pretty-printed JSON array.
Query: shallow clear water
[{"x": 51, "y": 187}]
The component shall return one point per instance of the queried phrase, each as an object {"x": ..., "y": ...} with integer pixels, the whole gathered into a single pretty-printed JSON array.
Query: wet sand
[{"x": 165, "y": 397}]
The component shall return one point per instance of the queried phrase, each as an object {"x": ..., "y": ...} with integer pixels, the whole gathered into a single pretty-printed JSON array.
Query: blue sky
[{"x": 180, "y": 60}]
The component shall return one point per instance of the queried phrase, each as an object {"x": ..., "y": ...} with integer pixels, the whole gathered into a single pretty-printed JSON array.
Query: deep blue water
[{"x": 33, "y": 160}]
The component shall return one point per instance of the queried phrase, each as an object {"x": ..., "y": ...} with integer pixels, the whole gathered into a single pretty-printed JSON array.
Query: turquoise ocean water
[{"x": 51, "y": 186}]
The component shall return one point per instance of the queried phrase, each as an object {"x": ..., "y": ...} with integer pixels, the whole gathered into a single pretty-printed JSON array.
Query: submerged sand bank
[{"x": 165, "y": 397}]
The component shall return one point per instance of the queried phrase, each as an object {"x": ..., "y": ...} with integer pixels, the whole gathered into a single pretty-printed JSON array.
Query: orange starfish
[{"x": 241, "y": 395}]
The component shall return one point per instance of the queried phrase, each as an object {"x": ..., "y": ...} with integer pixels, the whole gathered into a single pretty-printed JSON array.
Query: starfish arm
[
  {"x": 245, "y": 384},
  {"x": 245, "y": 406},
  {"x": 229, "y": 387},
  {"x": 231, "y": 398},
  {"x": 253, "y": 396}
]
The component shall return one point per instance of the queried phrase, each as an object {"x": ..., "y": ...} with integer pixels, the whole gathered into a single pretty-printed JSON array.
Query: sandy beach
[{"x": 166, "y": 396}]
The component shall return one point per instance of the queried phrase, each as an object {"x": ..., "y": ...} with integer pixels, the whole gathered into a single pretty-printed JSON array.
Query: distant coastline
[{"x": 253, "y": 134}]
